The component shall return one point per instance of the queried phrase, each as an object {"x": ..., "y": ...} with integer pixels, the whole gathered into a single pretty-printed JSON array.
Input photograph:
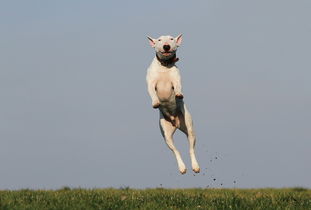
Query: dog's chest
[{"x": 164, "y": 85}]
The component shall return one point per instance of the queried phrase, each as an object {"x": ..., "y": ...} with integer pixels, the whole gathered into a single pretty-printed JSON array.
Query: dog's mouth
[{"x": 167, "y": 53}]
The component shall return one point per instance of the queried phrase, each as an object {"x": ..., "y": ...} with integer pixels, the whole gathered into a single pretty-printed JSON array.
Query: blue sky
[{"x": 75, "y": 109}]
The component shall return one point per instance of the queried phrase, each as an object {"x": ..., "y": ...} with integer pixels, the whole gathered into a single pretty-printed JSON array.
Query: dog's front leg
[
  {"x": 153, "y": 93},
  {"x": 177, "y": 86}
]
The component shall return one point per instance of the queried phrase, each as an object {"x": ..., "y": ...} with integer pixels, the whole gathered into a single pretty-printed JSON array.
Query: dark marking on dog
[{"x": 169, "y": 62}]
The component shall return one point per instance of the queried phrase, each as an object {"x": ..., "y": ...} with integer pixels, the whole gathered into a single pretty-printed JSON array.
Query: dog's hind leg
[
  {"x": 167, "y": 130},
  {"x": 186, "y": 126}
]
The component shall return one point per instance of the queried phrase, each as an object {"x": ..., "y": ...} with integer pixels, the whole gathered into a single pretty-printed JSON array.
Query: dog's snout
[{"x": 166, "y": 47}]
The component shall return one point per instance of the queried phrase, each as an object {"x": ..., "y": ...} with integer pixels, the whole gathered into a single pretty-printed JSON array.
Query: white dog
[{"x": 164, "y": 87}]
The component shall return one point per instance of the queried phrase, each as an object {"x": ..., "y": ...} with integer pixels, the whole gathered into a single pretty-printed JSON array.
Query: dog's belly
[
  {"x": 166, "y": 95},
  {"x": 169, "y": 108},
  {"x": 165, "y": 91}
]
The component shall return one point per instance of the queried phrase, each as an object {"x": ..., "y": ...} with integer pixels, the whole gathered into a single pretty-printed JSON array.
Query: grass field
[{"x": 292, "y": 198}]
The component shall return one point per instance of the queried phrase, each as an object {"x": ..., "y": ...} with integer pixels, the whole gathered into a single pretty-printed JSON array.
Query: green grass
[{"x": 66, "y": 198}]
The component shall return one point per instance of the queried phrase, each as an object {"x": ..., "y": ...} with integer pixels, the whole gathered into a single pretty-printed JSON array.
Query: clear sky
[{"x": 75, "y": 111}]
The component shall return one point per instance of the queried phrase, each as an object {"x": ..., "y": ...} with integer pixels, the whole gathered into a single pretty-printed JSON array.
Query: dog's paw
[
  {"x": 196, "y": 170},
  {"x": 156, "y": 104},
  {"x": 182, "y": 167},
  {"x": 179, "y": 95},
  {"x": 182, "y": 170},
  {"x": 196, "y": 167}
]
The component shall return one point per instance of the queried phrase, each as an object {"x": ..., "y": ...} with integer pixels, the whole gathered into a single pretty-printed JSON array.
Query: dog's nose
[{"x": 166, "y": 47}]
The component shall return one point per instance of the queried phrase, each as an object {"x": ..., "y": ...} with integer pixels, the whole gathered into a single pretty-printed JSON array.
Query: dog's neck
[{"x": 167, "y": 62}]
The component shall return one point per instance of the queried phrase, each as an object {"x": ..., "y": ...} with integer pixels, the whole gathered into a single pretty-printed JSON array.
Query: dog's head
[{"x": 165, "y": 46}]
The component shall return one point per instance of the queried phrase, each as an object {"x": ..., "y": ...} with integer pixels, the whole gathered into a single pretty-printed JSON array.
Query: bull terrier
[{"x": 164, "y": 87}]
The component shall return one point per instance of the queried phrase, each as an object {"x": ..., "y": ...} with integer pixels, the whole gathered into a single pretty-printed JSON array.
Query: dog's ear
[
  {"x": 178, "y": 40},
  {"x": 151, "y": 41}
]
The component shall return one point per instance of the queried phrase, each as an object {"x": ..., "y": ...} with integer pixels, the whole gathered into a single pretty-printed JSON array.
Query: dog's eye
[
  {"x": 159, "y": 40},
  {"x": 172, "y": 39}
]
